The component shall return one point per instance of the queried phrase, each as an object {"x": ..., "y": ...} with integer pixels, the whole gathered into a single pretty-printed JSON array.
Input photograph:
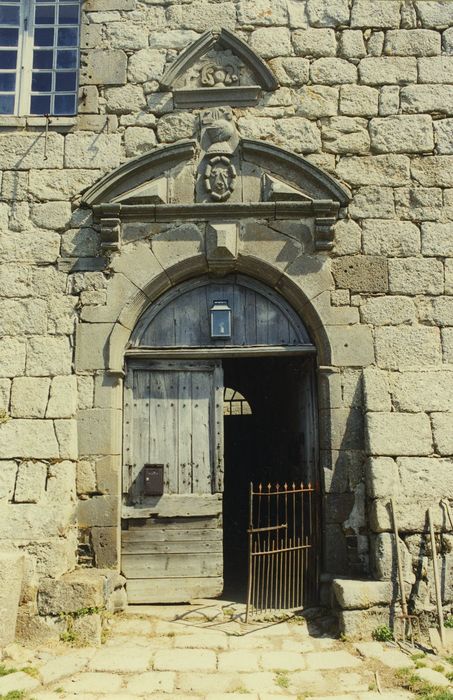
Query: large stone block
[
  {"x": 106, "y": 545},
  {"x": 437, "y": 311},
  {"x": 412, "y": 42},
  {"x": 11, "y": 576},
  {"x": 81, "y": 589},
  {"x": 382, "y": 478},
  {"x": 262, "y": 12},
  {"x": 125, "y": 99},
  {"x": 66, "y": 432},
  {"x": 416, "y": 276},
  {"x": 427, "y": 98},
  {"x": 443, "y": 433},
  {"x": 91, "y": 350},
  {"x": 333, "y": 71},
  {"x": 23, "y": 316},
  {"x": 443, "y": 134},
  {"x": 298, "y": 134},
  {"x": 360, "y": 595},
  {"x": 315, "y": 42},
  {"x": 314, "y": 101},
  {"x": 433, "y": 171},
  {"x": 360, "y": 273},
  {"x": 418, "y": 203},
  {"x": 30, "y": 482},
  {"x": 30, "y": 246},
  {"x": 375, "y": 170},
  {"x": 48, "y": 356},
  {"x": 423, "y": 481},
  {"x": 60, "y": 185},
  {"x": 388, "y": 70},
  {"x": 291, "y": 71},
  {"x": 437, "y": 69},
  {"x": 63, "y": 397},
  {"x": 85, "y": 150},
  {"x": 8, "y": 471},
  {"x": 378, "y": 14},
  {"x": 99, "y": 430},
  {"x": 376, "y": 390},
  {"x": 423, "y": 391},
  {"x": 437, "y": 239},
  {"x": 29, "y": 397},
  {"x": 352, "y": 346},
  {"x": 358, "y": 100},
  {"x": 28, "y": 439},
  {"x": 52, "y": 215},
  {"x": 395, "y": 434},
  {"x": 271, "y": 42},
  {"x": 399, "y": 347},
  {"x": 383, "y": 556},
  {"x": 354, "y": 624},
  {"x": 346, "y": 135},
  {"x": 98, "y": 511},
  {"x": 402, "y": 134},
  {"x": 200, "y": 16},
  {"x": 144, "y": 65},
  {"x": 328, "y": 13},
  {"x": 342, "y": 428},
  {"x": 390, "y": 238},
  {"x": 388, "y": 311},
  {"x": 373, "y": 202},
  {"x": 22, "y": 151},
  {"x": 173, "y": 127},
  {"x": 437, "y": 14},
  {"x": 12, "y": 356}
]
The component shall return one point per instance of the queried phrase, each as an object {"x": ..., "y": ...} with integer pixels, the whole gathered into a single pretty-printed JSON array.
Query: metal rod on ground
[
  {"x": 398, "y": 559},
  {"x": 436, "y": 579}
]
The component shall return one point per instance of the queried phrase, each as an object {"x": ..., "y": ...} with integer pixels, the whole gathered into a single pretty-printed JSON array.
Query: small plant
[
  {"x": 449, "y": 622},
  {"x": 69, "y": 637},
  {"x": 418, "y": 656},
  {"x": 13, "y": 695},
  {"x": 4, "y": 416},
  {"x": 383, "y": 633},
  {"x": 240, "y": 690},
  {"x": 422, "y": 689},
  {"x": 281, "y": 679},
  {"x": 31, "y": 671},
  {"x": 439, "y": 668},
  {"x": 6, "y": 671}
]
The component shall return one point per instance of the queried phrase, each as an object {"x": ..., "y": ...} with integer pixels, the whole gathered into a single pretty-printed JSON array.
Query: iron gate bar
[{"x": 284, "y": 558}]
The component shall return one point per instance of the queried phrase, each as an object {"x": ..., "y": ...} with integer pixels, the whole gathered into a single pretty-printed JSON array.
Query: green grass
[
  {"x": 281, "y": 679},
  {"x": 6, "y": 671},
  {"x": 13, "y": 695},
  {"x": 420, "y": 688},
  {"x": 382, "y": 634}
]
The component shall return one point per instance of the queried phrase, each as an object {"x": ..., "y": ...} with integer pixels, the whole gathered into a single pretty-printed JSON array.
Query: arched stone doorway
[{"x": 191, "y": 446}]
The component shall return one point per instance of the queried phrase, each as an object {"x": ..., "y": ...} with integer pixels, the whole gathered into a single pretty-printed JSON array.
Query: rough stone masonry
[{"x": 365, "y": 92}]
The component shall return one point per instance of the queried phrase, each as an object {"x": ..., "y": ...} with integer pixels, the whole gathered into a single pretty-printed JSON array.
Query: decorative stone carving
[
  {"x": 275, "y": 190},
  {"x": 324, "y": 233},
  {"x": 220, "y": 178},
  {"x": 110, "y": 233},
  {"x": 221, "y": 247},
  {"x": 218, "y": 68},
  {"x": 218, "y": 131}
]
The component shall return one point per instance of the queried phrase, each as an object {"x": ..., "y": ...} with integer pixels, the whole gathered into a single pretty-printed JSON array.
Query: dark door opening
[{"x": 270, "y": 435}]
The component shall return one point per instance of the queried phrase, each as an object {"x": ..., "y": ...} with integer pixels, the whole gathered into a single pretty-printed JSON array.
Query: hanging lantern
[{"x": 220, "y": 319}]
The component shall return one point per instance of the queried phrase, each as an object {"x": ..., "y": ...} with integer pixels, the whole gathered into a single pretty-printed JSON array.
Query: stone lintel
[{"x": 241, "y": 96}]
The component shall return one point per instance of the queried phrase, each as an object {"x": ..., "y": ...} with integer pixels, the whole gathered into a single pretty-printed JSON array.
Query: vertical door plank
[
  {"x": 201, "y": 433},
  {"x": 184, "y": 435}
]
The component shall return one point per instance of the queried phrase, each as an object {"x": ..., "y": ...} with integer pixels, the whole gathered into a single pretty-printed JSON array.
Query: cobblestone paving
[{"x": 188, "y": 652}]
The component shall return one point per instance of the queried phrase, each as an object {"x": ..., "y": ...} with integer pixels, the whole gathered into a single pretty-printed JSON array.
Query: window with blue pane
[{"x": 39, "y": 56}]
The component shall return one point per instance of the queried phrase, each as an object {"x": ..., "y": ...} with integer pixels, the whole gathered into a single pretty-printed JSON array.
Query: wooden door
[{"x": 172, "y": 543}]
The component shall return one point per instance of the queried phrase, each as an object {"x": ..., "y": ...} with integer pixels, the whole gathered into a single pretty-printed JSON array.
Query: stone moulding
[
  {"x": 233, "y": 96},
  {"x": 137, "y": 170}
]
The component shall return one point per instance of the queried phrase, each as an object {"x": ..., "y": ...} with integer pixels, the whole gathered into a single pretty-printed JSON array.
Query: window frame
[{"x": 25, "y": 55}]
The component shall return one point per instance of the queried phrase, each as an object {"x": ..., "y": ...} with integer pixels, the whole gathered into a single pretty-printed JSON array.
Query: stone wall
[{"x": 366, "y": 94}]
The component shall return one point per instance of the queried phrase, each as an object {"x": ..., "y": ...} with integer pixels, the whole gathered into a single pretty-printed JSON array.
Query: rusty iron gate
[{"x": 284, "y": 547}]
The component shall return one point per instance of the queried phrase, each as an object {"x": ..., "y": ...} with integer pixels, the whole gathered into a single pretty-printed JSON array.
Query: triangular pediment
[{"x": 218, "y": 68}]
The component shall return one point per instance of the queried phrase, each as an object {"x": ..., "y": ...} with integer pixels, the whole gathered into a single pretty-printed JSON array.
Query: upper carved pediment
[{"x": 218, "y": 69}]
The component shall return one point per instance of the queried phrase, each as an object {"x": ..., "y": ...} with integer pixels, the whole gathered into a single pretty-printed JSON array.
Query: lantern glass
[{"x": 220, "y": 319}]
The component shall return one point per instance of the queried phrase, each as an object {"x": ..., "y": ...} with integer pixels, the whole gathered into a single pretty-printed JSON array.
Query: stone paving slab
[{"x": 127, "y": 659}]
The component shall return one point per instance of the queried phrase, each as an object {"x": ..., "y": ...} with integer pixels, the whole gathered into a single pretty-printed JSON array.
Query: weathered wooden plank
[
  {"x": 172, "y": 590},
  {"x": 184, "y": 434},
  {"x": 175, "y": 523},
  {"x": 166, "y": 547},
  {"x": 167, "y": 535},
  {"x": 175, "y": 505},
  {"x": 161, "y": 565},
  {"x": 202, "y": 448}
]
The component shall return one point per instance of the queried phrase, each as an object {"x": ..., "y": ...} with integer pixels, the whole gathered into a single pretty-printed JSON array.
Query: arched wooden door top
[{"x": 181, "y": 317}]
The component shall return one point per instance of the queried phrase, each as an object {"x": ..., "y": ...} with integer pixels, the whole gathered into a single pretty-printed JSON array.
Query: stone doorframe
[{"x": 141, "y": 271}]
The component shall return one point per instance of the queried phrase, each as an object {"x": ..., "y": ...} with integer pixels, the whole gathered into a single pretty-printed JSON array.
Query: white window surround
[{"x": 39, "y": 58}]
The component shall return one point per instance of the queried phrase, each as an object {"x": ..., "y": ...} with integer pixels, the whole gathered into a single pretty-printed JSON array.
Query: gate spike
[
  {"x": 309, "y": 484},
  {"x": 294, "y": 486},
  {"x": 277, "y": 486},
  {"x": 269, "y": 486},
  {"x": 260, "y": 487},
  {"x": 286, "y": 486}
]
